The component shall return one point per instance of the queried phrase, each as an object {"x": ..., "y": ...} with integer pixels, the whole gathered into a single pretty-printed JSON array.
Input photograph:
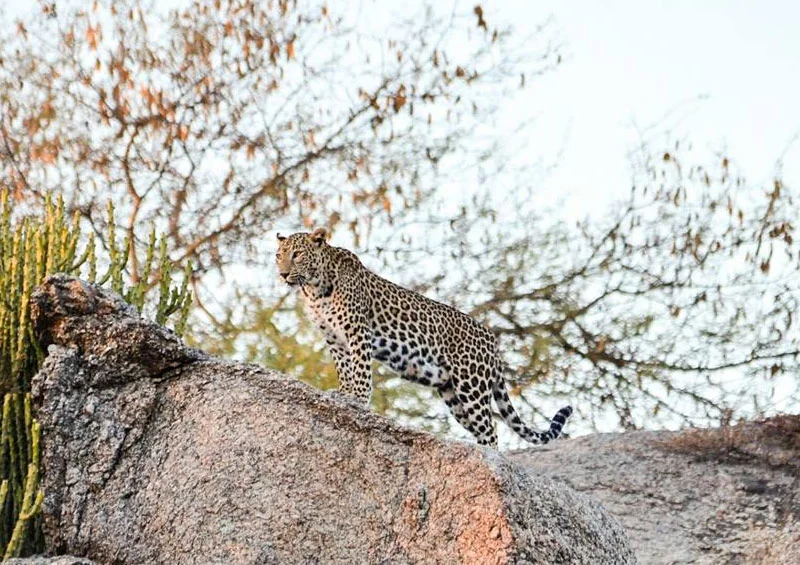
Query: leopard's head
[{"x": 302, "y": 256}]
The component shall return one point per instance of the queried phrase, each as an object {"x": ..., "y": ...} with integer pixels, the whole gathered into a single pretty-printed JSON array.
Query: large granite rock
[{"x": 157, "y": 453}]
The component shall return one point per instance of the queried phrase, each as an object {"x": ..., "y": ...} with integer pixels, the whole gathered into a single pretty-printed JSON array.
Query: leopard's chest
[{"x": 327, "y": 316}]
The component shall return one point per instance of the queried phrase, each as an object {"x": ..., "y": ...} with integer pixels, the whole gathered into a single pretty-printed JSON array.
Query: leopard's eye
[{"x": 296, "y": 255}]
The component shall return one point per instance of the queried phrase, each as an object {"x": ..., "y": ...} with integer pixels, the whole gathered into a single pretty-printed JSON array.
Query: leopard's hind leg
[{"x": 474, "y": 415}]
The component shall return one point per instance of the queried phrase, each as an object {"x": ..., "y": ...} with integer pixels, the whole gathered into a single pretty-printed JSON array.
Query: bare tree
[
  {"x": 678, "y": 307},
  {"x": 220, "y": 121},
  {"x": 224, "y": 121}
]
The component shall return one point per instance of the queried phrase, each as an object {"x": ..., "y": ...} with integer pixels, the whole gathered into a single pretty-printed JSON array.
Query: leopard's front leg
[
  {"x": 341, "y": 360},
  {"x": 353, "y": 362},
  {"x": 355, "y": 376}
]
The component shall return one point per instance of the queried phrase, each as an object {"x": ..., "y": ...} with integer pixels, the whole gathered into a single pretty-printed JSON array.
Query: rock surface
[
  {"x": 156, "y": 453},
  {"x": 41, "y": 560},
  {"x": 730, "y": 495}
]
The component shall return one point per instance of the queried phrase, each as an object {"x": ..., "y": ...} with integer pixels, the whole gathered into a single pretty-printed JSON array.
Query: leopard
[{"x": 364, "y": 317}]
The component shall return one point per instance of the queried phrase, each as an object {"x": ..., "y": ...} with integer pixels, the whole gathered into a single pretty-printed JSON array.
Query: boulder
[
  {"x": 724, "y": 495},
  {"x": 155, "y": 452}
]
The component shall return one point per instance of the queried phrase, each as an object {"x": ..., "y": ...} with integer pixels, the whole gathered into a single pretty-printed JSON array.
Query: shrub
[{"x": 30, "y": 249}]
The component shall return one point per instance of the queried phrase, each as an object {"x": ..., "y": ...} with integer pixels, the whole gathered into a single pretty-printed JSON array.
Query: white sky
[{"x": 732, "y": 67}]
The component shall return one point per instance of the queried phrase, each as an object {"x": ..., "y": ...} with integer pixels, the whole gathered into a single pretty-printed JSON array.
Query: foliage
[
  {"x": 676, "y": 307},
  {"x": 222, "y": 122},
  {"x": 30, "y": 249},
  {"x": 218, "y": 120}
]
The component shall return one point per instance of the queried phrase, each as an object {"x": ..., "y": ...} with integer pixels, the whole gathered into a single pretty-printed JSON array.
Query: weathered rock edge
[
  {"x": 41, "y": 560},
  {"x": 716, "y": 496},
  {"x": 155, "y": 452}
]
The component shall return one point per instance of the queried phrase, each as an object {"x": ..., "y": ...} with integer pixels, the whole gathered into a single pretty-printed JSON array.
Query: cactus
[{"x": 30, "y": 249}]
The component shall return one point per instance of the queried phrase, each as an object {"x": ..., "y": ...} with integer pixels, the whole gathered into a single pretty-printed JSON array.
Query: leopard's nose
[{"x": 284, "y": 274}]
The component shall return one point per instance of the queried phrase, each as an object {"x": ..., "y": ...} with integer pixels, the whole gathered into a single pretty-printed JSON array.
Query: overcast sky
[
  {"x": 732, "y": 68},
  {"x": 726, "y": 72}
]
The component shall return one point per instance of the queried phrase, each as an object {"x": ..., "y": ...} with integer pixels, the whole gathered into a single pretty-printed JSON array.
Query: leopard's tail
[{"x": 511, "y": 417}]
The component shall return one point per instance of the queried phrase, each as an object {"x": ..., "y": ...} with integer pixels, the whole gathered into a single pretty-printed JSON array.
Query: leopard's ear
[
  {"x": 281, "y": 237},
  {"x": 318, "y": 236}
]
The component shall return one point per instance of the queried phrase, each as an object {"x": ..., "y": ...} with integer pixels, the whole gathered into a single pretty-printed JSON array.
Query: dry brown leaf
[
  {"x": 91, "y": 37},
  {"x": 481, "y": 21},
  {"x": 398, "y": 101}
]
